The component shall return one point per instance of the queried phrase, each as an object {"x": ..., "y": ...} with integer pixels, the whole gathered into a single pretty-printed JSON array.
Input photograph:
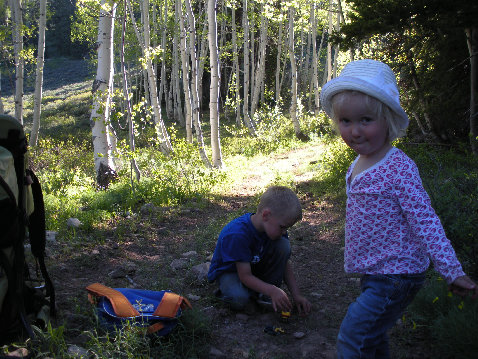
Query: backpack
[
  {"x": 24, "y": 299},
  {"x": 155, "y": 311}
]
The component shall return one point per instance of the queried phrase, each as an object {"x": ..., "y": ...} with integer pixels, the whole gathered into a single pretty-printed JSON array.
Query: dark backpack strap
[
  {"x": 37, "y": 232},
  {"x": 9, "y": 213}
]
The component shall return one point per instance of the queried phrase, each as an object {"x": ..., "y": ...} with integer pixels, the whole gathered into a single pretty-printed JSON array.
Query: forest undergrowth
[{"x": 192, "y": 203}]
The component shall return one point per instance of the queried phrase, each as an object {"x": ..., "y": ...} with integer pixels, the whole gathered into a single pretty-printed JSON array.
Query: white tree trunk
[
  {"x": 195, "y": 84},
  {"x": 293, "y": 105},
  {"x": 329, "y": 44},
  {"x": 161, "y": 132},
  {"x": 127, "y": 104},
  {"x": 39, "y": 74},
  {"x": 315, "y": 78},
  {"x": 214, "y": 90},
  {"x": 185, "y": 70},
  {"x": 245, "y": 107},
  {"x": 17, "y": 15},
  {"x": 178, "y": 108},
  {"x": 261, "y": 63},
  {"x": 236, "y": 67},
  {"x": 102, "y": 86},
  {"x": 278, "y": 63}
]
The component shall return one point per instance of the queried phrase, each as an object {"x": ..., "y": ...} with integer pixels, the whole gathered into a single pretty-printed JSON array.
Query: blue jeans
[
  {"x": 384, "y": 297},
  {"x": 270, "y": 269}
]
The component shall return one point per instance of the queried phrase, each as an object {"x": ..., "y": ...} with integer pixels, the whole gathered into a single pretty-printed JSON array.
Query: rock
[
  {"x": 51, "y": 236},
  {"x": 216, "y": 353},
  {"x": 317, "y": 295},
  {"x": 209, "y": 257},
  {"x": 242, "y": 317},
  {"x": 179, "y": 263},
  {"x": 95, "y": 252},
  {"x": 189, "y": 254},
  {"x": 200, "y": 271},
  {"x": 73, "y": 223},
  {"x": 77, "y": 351},
  {"x": 299, "y": 335},
  {"x": 117, "y": 273},
  {"x": 147, "y": 208},
  {"x": 19, "y": 353},
  {"x": 193, "y": 297}
]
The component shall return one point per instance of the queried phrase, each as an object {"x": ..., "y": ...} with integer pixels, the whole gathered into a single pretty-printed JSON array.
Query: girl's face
[{"x": 359, "y": 127}]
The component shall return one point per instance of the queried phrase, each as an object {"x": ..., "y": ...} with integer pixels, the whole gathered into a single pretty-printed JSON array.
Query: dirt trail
[{"x": 144, "y": 247}]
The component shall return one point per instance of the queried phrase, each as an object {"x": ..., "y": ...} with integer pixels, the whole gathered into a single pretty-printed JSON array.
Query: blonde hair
[
  {"x": 281, "y": 201},
  {"x": 377, "y": 107}
]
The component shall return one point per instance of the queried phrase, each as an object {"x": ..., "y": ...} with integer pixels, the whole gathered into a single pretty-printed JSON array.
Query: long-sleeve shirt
[{"x": 391, "y": 227}]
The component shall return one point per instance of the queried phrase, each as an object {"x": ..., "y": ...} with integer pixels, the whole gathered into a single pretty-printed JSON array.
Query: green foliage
[
  {"x": 189, "y": 339},
  {"x": 449, "y": 321},
  {"x": 450, "y": 178}
]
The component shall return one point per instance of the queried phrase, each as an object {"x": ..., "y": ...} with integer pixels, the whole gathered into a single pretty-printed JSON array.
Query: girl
[{"x": 391, "y": 230}]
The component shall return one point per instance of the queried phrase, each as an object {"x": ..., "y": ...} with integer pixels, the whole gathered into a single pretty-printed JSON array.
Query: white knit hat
[{"x": 371, "y": 77}]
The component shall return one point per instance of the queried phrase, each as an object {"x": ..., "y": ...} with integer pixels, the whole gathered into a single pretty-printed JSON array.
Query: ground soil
[{"x": 145, "y": 244}]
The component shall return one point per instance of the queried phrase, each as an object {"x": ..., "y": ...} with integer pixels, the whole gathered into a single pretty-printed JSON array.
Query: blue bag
[{"x": 156, "y": 311}]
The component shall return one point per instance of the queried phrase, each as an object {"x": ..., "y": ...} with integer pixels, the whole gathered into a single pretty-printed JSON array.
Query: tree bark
[
  {"x": 259, "y": 76},
  {"x": 39, "y": 75},
  {"x": 194, "y": 84},
  {"x": 214, "y": 90},
  {"x": 249, "y": 122},
  {"x": 472, "y": 41},
  {"x": 278, "y": 63},
  {"x": 236, "y": 68},
  {"x": 17, "y": 15},
  {"x": 102, "y": 87},
  {"x": 185, "y": 70}
]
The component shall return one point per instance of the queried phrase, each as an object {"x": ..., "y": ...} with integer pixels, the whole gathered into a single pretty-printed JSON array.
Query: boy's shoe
[{"x": 264, "y": 301}]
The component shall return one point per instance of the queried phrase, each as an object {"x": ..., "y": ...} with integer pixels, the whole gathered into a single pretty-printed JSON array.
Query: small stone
[
  {"x": 201, "y": 270},
  {"x": 317, "y": 295},
  {"x": 51, "y": 236},
  {"x": 193, "y": 297},
  {"x": 95, "y": 252},
  {"x": 299, "y": 335},
  {"x": 117, "y": 273},
  {"x": 189, "y": 254},
  {"x": 77, "y": 351},
  {"x": 147, "y": 208},
  {"x": 242, "y": 317},
  {"x": 73, "y": 223},
  {"x": 179, "y": 263},
  {"x": 216, "y": 353}
]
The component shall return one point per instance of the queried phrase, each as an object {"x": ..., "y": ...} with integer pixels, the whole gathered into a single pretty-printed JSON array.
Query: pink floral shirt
[{"x": 391, "y": 227}]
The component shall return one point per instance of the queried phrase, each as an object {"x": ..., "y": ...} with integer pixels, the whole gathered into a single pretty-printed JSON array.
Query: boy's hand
[
  {"x": 280, "y": 300},
  {"x": 302, "y": 304},
  {"x": 462, "y": 285}
]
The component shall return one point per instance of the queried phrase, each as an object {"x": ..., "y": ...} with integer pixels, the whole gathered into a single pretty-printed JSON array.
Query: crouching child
[{"x": 252, "y": 255}]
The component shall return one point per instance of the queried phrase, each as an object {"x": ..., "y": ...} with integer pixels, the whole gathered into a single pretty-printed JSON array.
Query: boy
[{"x": 252, "y": 254}]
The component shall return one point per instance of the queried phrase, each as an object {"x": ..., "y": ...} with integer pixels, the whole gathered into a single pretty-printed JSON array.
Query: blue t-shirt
[{"x": 238, "y": 241}]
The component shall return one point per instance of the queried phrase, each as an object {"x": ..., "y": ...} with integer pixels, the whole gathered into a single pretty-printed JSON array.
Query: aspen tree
[
  {"x": 261, "y": 65},
  {"x": 102, "y": 89},
  {"x": 249, "y": 122},
  {"x": 161, "y": 132},
  {"x": 194, "y": 84},
  {"x": 17, "y": 23},
  {"x": 39, "y": 75},
  {"x": 214, "y": 90},
  {"x": 472, "y": 42},
  {"x": 185, "y": 70},
  {"x": 236, "y": 66},
  {"x": 293, "y": 65},
  {"x": 278, "y": 60}
]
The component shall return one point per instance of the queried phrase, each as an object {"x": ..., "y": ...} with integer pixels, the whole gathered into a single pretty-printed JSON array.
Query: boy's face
[
  {"x": 359, "y": 127},
  {"x": 275, "y": 226}
]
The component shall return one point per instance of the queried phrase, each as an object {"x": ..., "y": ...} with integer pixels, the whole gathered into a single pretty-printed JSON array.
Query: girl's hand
[{"x": 463, "y": 285}]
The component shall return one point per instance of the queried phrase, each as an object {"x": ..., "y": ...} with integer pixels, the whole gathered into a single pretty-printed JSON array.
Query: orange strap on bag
[
  {"x": 121, "y": 305},
  {"x": 170, "y": 304}
]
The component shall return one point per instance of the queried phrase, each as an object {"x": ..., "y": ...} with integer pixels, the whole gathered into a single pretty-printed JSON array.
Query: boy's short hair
[
  {"x": 281, "y": 200},
  {"x": 377, "y": 107}
]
